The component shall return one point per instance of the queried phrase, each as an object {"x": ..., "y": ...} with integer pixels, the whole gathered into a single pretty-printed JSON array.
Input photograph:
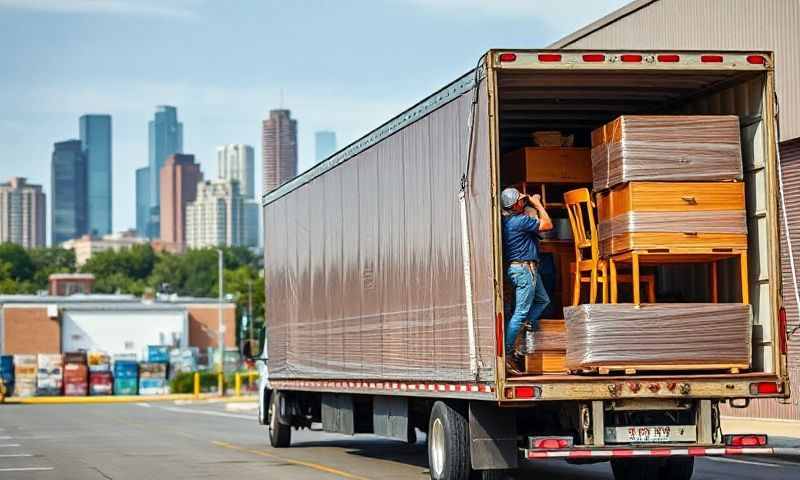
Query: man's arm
[{"x": 545, "y": 223}]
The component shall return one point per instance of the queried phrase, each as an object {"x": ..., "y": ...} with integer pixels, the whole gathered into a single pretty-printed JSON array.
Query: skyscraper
[
  {"x": 215, "y": 218},
  {"x": 279, "y": 147},
  {"x": 236, "y": 162},
  {"x": 68, "y": 177},
  {"x": 95, "y": 132},
  {"x": 142, "y": 200},
  {"x": 179, "y": 177},
  {"x": 166, "y": 138},
  {"x": 325, "y": 144},
  {"x": 22, "y": 213}
]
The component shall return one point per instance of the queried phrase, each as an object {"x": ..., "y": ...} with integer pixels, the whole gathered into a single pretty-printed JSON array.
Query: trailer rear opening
[{"x": 385, "y": 306}]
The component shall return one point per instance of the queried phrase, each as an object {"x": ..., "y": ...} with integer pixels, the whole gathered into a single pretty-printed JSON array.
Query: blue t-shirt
[{"x": 520, "y": 241}]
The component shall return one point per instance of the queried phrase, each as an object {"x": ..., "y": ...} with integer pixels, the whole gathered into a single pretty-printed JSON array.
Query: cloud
[{"x": 110, "y": 7}]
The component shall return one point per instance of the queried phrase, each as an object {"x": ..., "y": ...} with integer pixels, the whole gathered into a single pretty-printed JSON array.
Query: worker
[{"x": 521, "y": 227}]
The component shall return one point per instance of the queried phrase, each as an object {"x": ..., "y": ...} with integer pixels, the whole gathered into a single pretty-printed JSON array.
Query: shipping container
[
  {"x": 384, "y": 272},
  {"x": 49, "y": 374}
]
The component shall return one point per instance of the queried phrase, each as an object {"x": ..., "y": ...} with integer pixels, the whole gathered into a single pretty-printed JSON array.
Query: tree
[
  {"x": 20, "y": 266},
  {"x": 47, "y": 261},
  {"x": 126, "y": 270}
]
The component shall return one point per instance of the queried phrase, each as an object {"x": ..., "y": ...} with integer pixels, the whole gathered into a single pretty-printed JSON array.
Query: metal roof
[{"x": 108, "y": 301}]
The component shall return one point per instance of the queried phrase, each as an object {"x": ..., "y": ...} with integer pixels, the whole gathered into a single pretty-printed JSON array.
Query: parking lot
[{"x": 169, "y": 440}]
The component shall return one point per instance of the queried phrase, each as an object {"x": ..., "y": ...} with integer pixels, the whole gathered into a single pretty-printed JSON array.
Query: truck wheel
[
  {"x": 448, "y": 443},
  {"x": 636, "y": 469},
  {"x": 677, "y": 468},
  {"x": 280, "y": 435}
]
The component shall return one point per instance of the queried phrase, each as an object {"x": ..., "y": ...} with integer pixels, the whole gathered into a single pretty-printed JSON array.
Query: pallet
[{"x": 634, "y": 369}]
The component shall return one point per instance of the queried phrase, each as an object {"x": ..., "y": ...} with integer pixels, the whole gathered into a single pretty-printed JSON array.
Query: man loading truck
[{"x": 521, "y": 229}]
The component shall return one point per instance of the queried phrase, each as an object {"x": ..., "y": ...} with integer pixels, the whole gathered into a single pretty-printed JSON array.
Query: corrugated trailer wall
[{"x": 363, "y": 264}]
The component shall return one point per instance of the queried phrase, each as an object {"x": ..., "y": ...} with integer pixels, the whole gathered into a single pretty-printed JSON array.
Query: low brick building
[{"x": 62, "y": 284}]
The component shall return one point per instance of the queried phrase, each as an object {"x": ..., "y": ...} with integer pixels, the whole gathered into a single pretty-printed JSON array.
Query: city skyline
[
  {"x": 324, "y": 144},
  {"x": 278, "y": 148},
  {"x": 96, "y": 140}
]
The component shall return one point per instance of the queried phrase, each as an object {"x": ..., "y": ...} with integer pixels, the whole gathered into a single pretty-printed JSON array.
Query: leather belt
[{"x": 524, "y": 262}]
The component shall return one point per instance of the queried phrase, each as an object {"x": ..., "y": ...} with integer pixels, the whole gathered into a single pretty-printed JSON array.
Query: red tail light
[
  {"x": 594, "y": 57},
  {"x": 550, "y": 443},
  {"x": 782, "y": 330},
  {"x": 756, "y": 59},
  {"x": 631, "y": 58},
  {"x": 711, "y": 58},
  {"x": 668, "y": 58},
  {"x": 764, "y": 388},
  {"x": 508, "y": 57},
  {"x": 549, "y": 57},
  {"x": 524, "y": 392},
  {"x": 746, "y": 440}
]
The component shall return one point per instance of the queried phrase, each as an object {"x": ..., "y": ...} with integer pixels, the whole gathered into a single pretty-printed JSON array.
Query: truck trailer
[{"x": 384, "y": 276}]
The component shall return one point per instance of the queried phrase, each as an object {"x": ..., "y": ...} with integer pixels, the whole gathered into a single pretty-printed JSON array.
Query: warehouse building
[
  {"x": 729, "y": 25},
  {"x": 111, "y": 323}
]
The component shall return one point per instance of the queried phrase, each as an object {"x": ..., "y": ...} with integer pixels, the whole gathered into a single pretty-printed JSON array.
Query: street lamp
[{"x": 221, "y": 335}]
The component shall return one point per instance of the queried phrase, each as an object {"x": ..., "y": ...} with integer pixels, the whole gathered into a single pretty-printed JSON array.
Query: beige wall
[{"x": 29, "y": 330}]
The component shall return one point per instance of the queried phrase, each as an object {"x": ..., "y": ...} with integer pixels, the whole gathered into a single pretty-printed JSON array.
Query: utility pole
[
  {"x": 221, "y": 332},
  {"x": 250, "y": 306}
]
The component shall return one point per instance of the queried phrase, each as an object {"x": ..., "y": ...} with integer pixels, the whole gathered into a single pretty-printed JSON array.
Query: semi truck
[{"x": 384, "y": 276}]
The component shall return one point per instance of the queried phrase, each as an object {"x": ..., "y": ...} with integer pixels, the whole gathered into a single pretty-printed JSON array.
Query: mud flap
[{"x": 493, "y": 437}]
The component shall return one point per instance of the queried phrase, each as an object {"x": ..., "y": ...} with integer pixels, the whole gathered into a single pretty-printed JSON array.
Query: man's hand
[{"x": 536, "y": 200}]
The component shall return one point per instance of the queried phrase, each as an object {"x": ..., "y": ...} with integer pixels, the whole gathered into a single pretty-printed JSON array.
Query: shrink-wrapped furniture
[
  {"x": 667, "y": 336},
  {"x": 670, "y": 148},
  {"x": 551, "y": 349}
]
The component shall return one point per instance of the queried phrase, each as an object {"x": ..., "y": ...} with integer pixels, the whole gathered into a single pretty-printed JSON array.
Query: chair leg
[
  {"x": 714, "y": 285},
  {"x": 613, "y": 267},
  {"x": 605, "y": 283},
  {"x": 651, "y": 290},
  {"x": 593, "y": 285},
  {"x": 576, "y": 287},
  {"x": 637, "y": 297},
  {"x": 744, "y": 274}
]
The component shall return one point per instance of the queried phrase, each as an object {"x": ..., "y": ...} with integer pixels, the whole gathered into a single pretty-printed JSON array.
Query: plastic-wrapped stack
[
  {"x": 24, "y": 375},
  {"x": 152, "y": 378},
  {"x": 76, "y": 374},
  {"x": 100, "y": 378},
  {"x": 158, "y": 353},
  {"x": 126, "y": 377},
  {"x": 685, "y": 336},
  {"x": 182, "y": 360},
  {"x": 7, "y": 373},
  {"x": 49, "y": 374},
  {"x": 99, "y": 362}
]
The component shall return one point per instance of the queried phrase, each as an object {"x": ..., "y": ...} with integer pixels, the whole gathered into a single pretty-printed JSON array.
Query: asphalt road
[{"x": 196, "y": 441}]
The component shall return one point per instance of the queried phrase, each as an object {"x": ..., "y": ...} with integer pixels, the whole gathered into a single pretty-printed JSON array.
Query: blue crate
[{"x": 158, "y": 354}]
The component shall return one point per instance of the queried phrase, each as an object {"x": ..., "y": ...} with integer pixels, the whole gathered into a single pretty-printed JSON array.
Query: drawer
[{"x": 671, "y": 197}]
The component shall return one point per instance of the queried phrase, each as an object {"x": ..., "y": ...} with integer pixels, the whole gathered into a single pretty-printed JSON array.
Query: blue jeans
[{"x": 531, "y": 301}]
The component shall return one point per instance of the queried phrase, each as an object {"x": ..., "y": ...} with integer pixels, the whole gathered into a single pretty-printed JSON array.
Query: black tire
[
  {"x": 448, "y": 443},
  {"x": 280, "y": 435},
  {"x": 677, "y": 468},
  {"x": 492, "y": 474},
  {"x": 636, "y": 469}
]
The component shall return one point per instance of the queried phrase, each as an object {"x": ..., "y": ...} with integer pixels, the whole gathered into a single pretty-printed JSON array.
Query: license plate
[{"x": 651, "y": 434}]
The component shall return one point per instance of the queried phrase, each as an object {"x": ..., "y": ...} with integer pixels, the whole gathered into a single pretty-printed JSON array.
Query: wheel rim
[
  {"x": 437, "y": 448},
  {"x": 273, "y": 424}
]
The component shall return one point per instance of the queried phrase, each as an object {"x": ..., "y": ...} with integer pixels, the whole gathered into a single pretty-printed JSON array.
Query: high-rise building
[
  {"x": 69, "y": 217},
  {"x": 95, "y": 132},
  {"x": 236, "y": 162},
  {"x": 251, "y": 217},
  {"x": 324, "y": 143},
  {"x": 179, "y": 178},
  {"x": 166, "y": 138},
  {"x": 216, "y": 217},
  {"x": 279, "y": 148},
  {"x": 142, "y": 200},
  {"x": 22, "y": 213}
]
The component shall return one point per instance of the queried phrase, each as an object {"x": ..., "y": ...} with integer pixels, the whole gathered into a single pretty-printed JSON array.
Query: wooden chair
[{"x": 580, "y": 209}]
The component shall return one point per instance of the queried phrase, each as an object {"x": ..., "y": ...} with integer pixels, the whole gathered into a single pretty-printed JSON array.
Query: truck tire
[
  {"x": 448, "y": 443},
  {"x": 280, "y": 435}
]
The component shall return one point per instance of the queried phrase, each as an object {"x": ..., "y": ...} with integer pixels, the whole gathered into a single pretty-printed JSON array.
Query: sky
[{"x": 341, "y": 65}]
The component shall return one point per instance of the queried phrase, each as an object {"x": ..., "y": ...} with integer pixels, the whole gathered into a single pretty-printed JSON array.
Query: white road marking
[
  {"x": 748, "y": 462},
  {"x": 26, "y": 469},
  {"x": 7, "y": 445},
  {"x": 144, "y": 404},
  {"x": 10, "y": 455},
  {"x": 6, "y": 438},
  {"x": 206, "y": 412}
]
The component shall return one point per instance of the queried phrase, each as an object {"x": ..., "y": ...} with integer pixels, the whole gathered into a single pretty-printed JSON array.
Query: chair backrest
[{"x": 580, "y": 209}]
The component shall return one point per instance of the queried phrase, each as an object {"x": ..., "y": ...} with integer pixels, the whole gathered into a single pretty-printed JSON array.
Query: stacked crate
[
  {"x": 7, "y": 373},
  {"x": 182, "y": 360},
  {"x": 100, "y": 378},
  {"x": 126, "y": 377},
  {"x": 76, "y": 374},
  {"x": 49, "y": 374},
  {"x": 152, "y": 378},
  {"x": 25, "y": 375}
]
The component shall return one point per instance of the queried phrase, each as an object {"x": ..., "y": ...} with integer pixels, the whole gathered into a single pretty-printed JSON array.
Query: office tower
[
  {"x": 216, "y": 216},
  {"x": 22, "y": 213},
  {"x": 279, "y": 148},
  {"x": 68, "y": 179},
  {"x": 179, "y": 178},
  {"x": 251, "y": 217},
  {"x": 142, "y": 200},
  {"x": 95, "y": 132},
  {"x": 325, "y": 144},
  {"x": 236, "y": 162},
  {"x": 166, "y": 138}
]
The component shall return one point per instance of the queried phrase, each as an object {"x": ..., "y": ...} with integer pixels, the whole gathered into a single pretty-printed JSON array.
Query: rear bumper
[{"x": 655, "y": 451}]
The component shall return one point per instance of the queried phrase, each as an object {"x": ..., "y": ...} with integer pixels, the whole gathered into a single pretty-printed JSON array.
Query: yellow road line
[
  {"x": 315, "y": 466},
  {"x": 122, "y": 399}
]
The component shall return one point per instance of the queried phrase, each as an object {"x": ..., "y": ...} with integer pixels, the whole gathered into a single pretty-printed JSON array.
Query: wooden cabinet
[
  {"x": 547, "y": 165},
  {"x": 551, "y": 349}
]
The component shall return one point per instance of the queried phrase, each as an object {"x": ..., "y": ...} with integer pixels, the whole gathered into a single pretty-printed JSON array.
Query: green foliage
[
  {"x": 16, "y": 270},
  {"x": 184, "y": 382},
  {"x": 47, "y": 261}
]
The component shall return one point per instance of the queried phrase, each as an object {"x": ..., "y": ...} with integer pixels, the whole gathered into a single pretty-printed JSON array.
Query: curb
[{"x": 107, "y": 399}]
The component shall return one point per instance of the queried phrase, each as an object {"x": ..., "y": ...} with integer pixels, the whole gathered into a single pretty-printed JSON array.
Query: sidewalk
[{"x": 780, "y": 433}]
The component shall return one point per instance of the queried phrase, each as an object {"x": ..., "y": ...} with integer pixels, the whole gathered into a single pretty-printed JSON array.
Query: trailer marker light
[
  {"x": 527, "y": 392},
  {"x": 508, "y": 57},
  {"x": 711, "y": 58},
  {"x": 782, "y": 330},
  {"x": 749, "y": 440},
  {"x": 551, "y": 443},
  {"x": 631, "y": 58},
  {"x": 594, "y": 57},
  {"x": 764, "y": 388},
  {"x": 549, "y": 57},
  {"x": 756, "y": 59},
  {"x": 668, "y": 58}
]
